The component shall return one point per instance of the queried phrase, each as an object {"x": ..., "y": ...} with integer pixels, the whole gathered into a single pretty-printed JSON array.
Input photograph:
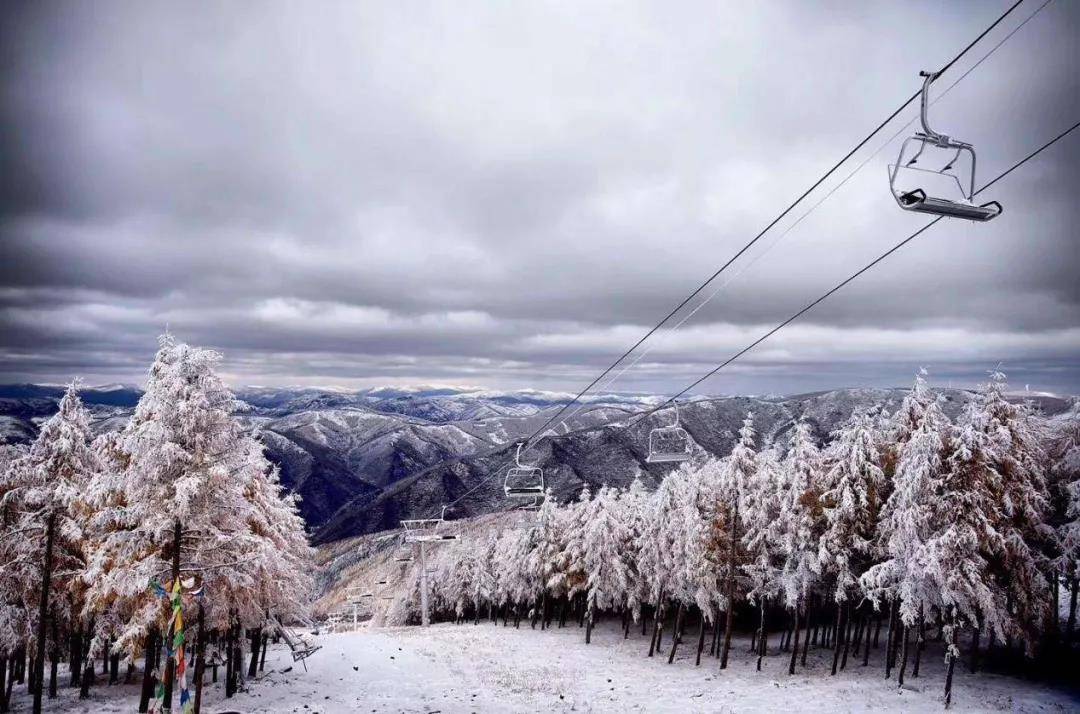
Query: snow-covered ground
[{"x": 489, "y": 668}]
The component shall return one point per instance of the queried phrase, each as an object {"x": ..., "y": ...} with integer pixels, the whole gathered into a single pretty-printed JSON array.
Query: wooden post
[{"x": 43, "y": 611}]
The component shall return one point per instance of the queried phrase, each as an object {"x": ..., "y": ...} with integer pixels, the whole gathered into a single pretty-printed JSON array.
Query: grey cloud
[{"x": 559, "y": 170}]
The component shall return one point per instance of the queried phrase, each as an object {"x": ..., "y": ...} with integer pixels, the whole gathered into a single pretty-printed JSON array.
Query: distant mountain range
[{"x": 364, "y": 460}]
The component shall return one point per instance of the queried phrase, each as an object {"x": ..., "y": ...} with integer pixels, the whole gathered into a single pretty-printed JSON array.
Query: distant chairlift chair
[
  {"x": 917, "y": 199},
  {"x": 669, "y": 444},
  {"x": 428, "y": 530},
  {"x": 524, "y": 481}
]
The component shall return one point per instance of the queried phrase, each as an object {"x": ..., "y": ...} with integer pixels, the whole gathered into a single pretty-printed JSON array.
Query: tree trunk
[
  {"x": 658, "y": 626},
  {"x": 806, "y": 637},
  {"x": 54, "y": 656},
  {"x": 200, "y": 659},
  {"x": 836, "y": 639},
  {"x": 975, "y": 650},
  {"x": 1070, "y": 627},
  {"x": 762, "y": 637},
  {"x": 266, "y": 639},
  {"x": 877, "y": 631},
  {"x": 676, "y": 632},
  {"x": 950, "y": 647},
  {"x": 921, "y": 634},
  {"x": 75, "y": 657},
  {"x": 732, "y": 554},
  {"x": 114, "y": 668},
  {"x": 890, "y": 638},
  {"x": 43, "y": 611},
  {"x": 148, "y": 670},
  {"x": 795, "y": 647},
  {"x": 847, "y": 637},
  {"x": 903, "y": 659},
  {"x": 230, "y": 681},
  {"x": 256, "y": 640},
  {"x": 3, "y": 682},
  {"x": 701, "y": 640},
  {"x": 589, "y": 625},
  {"x": 170, "y": 663}
]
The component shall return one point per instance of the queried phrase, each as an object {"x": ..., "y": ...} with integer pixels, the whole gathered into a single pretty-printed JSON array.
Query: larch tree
[
  {"x": 47, "y": 492},
  {"x": 799, "y": 523},
  {"x": 608, "y": 573},
  {"x": 1015, "y": 445},
  {"x": 907, "y": 519},
  {"x": 760, "y": 513},
  {"x": 739, "y": 469},
  {"x": 851, "y": 489}
]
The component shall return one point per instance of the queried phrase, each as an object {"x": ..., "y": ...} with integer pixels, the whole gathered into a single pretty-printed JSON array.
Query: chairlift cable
[
  {"x": 776, "y": 220},
  {"x": 643, "y": 353},
  {"x": 846, "y": 281}
]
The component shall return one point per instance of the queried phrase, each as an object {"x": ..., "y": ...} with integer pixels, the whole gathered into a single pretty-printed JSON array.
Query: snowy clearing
[{"x": 491, "y": 668}]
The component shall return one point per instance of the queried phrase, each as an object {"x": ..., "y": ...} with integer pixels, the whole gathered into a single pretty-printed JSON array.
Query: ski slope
[{"x": 491, "y": 668}]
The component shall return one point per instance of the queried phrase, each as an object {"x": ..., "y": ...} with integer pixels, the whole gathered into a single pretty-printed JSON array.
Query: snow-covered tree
[
  {"x": 907, "y": 519},
  {"x": 604, "y": 557},
  {"x": 45, "y": 497},
  {"x": 799, "y": 522},
  {"x": 851, "y": 498},
  {"x": 1014, "y": 446}
]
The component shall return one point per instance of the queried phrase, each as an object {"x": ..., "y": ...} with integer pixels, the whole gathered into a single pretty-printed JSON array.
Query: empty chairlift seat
[
  {"x": 956, "y": 175},
  {"x": 523, "y": 481},
  {"x": 428, "y": 530},
  {"x": 669, "y": 444}
]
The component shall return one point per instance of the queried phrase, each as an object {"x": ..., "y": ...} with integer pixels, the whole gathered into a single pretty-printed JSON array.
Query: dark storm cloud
[{"x": 509, "y": 195}]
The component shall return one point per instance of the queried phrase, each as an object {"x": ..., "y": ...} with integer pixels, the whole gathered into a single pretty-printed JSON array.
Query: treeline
[
  {"x": 908, "y": 519},
  {"x": 96, "y": 531}
]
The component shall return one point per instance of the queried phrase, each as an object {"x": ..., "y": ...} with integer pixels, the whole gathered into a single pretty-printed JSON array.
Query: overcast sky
[{"x": 509, "y": 194}]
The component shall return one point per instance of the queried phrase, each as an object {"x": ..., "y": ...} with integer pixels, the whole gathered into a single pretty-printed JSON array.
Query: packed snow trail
[{"x": 491, "y": 668}]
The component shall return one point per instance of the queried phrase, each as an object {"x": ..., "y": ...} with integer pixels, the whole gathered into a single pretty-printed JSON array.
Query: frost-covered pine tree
[
  {"x": 907, "y": 520},
  {"x": 46, "y": 500},
  {"x": 1014, "y": 439},
  {"x": 851, "y": 488},
  {"x": 1064, "y": 459},
  {"x": 192, "y": 499},
  {"x": 761, "y": 510},
  {"x": 604, "y": 557},
  {"x": 799, "y": 523},
  {"x": 739, "y": 469}
]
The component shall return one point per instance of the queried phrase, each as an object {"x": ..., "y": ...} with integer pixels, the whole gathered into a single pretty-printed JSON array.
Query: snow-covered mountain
[{"x": 363, "y": 460}]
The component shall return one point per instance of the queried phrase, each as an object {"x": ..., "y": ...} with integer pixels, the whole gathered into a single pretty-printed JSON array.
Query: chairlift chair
[
  {"x": 427, "y": 530},
  {"x": 917, "y": 199},
  {"x": 669, "y": 444},
  {"x": 523, "y": 481},
  {"x": 300, "y": 649}
]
